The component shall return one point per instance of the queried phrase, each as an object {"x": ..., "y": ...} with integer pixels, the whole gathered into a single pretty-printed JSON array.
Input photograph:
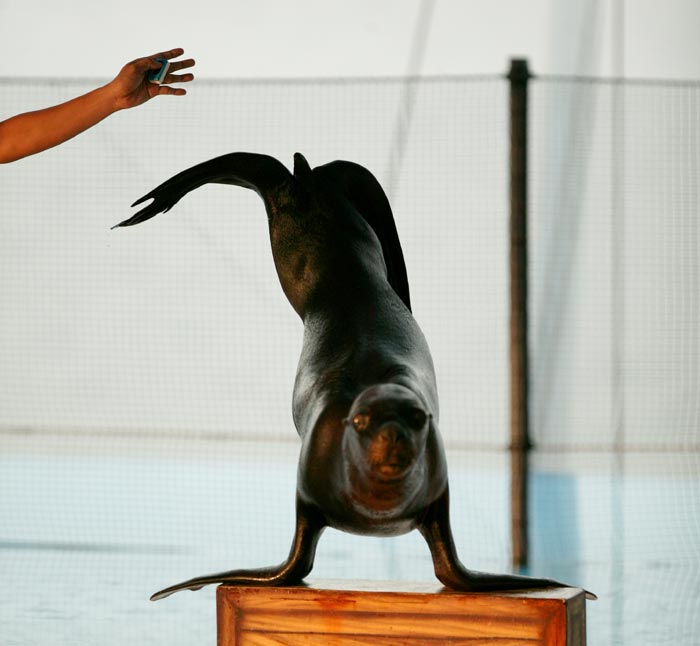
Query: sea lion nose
[
  {"x": 391, "y": 433},
  {"x": 388, "y": 434}
]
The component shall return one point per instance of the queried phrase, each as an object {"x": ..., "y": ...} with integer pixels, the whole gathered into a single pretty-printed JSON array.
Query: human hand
[{"x": 131, "y": 86}]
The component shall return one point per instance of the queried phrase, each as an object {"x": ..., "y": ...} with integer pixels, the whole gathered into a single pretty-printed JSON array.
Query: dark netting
[
  {"x": 182, "y": 318},
  {"x": 614, "y": 268},
  {"x": 615, "y": 348},
  {"x": 146, "y": 373}
]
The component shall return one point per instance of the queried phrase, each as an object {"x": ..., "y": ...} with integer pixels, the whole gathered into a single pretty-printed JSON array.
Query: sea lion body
[
  {"x": 358, "y": 333},
  {"x": 365, "y": 400}
]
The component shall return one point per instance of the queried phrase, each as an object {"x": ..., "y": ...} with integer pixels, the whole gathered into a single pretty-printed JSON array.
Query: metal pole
[{"x": 519, "y": 431}]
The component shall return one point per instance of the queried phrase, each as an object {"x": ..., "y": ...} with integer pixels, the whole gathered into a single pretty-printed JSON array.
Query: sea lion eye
[
  {"x": 360, "y": 422},
  {"x": 416, "y": 418}
]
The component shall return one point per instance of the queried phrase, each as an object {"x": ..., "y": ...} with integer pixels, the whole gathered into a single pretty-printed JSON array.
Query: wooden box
[{"x": 350, "y": 613}]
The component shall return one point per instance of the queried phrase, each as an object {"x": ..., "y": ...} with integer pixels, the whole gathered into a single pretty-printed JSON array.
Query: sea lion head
[{"x": 385, "y": 433}]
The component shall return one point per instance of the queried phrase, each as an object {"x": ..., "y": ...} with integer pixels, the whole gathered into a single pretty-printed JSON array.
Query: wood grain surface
[{"x": 349, "y": 613}]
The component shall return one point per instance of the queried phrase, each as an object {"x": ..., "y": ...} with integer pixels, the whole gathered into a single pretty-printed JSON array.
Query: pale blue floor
[{"x": 88, "y": 533}]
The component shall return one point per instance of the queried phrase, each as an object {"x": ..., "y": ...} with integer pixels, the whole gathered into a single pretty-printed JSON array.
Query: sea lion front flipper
[
  {"x": 261, "y": 173},
  {"x": 309, "y": 527},
  {"x": 437, "y": 532}
]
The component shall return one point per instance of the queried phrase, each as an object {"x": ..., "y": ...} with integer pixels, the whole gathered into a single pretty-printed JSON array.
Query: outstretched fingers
[
  {"x": 175, "y": 66},
  {"x": 164, "y": 90},
  {"x": 170, "y": 53}
]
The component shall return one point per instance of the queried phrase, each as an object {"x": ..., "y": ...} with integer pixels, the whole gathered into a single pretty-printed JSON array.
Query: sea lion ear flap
[{"x": 303, "y": 173}]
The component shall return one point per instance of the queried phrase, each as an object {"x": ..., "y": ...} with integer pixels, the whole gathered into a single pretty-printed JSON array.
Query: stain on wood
[{"x": 350, "y": 613}]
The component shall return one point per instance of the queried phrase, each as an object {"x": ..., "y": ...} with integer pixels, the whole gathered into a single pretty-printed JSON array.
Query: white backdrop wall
[
  {"x": 179, "y": 324},
  {"x": 281, "y": 39}
]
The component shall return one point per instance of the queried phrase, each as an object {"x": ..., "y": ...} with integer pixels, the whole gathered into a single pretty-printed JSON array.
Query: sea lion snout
[
  {"x": 391, "y": 451},
  {"x": 388, "y": 427}
]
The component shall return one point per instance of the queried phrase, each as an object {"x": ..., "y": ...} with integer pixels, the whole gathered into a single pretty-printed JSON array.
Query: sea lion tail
[
  {"x": 367, "y": 196},
  {"x": 261, "y": 173}
]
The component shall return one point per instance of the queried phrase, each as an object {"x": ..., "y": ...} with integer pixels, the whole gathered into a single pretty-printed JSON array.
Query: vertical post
[{"x": 519, "y": 431}]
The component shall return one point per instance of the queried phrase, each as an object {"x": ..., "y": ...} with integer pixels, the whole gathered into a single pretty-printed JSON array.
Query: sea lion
[{"x": 365, "y": 400}]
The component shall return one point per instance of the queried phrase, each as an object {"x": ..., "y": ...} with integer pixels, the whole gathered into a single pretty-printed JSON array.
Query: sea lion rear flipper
[
  {"x": 367, "y": 196},
  {"x": 309, "y": 527},
  {"x": 261, "y": 173},
  {"x": 437, "y": 532}
]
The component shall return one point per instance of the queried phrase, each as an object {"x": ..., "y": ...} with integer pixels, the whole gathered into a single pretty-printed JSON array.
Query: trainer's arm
[{"x": 32, "y": 132}]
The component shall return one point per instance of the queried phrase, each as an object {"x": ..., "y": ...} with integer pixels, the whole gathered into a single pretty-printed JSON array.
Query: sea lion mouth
[{"x": 393, "y": 471}]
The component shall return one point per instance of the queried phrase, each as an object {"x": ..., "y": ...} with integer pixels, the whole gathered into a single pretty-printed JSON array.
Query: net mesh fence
[
  {"x": 180, "y": 325},
  {"x": 146, "y": 373},
  {"x": 615, "y": 268}
]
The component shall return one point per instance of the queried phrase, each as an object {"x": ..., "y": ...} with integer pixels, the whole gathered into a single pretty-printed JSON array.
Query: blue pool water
[{"x": 91, "y": 528}]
